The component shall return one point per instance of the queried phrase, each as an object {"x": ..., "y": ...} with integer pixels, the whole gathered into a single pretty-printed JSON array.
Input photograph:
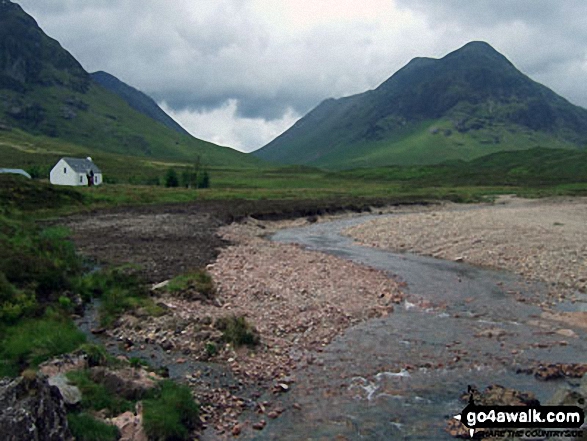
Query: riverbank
[
  {"x": 543, "y": 240},
  {"x": 298, "y": 301}
]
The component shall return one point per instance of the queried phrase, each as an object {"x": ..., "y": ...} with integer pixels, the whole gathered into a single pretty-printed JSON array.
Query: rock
[
  {"x": 273, "y": 414},
  {"x": 32, "y": 410},
  {"x": 236, "y": 430},
  {"x": 260, "y": 425},
  {"x": 130, "y": 383},
  {"x": 130, "y": 426},
  {"x": 567, "y": 333},
  {"x": 98, "y": 331},
  {"x": 71, "y": 394},
  {"x": 490, "y": 333},
  {"x": 63, "y": 364},
  {"x": 160, "y": 285},
  {"x": 166, "y": 345}
]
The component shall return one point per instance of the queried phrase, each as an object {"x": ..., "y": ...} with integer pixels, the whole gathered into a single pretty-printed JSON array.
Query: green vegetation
[
  {"x": 471, "y": 103},
  {"x": 36, "y": 267},
  {"x": 237, "y": 331},
  {"x": 85, "y": 427},
  {"x": 96, "y": 397},
  {"x": 119, "y": 290},
  {"x": 171, "y": 413},
  {"x": 47, "y": 94},
  {"x": 171, "y": 179},
  {"x": 196, "y": 284},
  {"x": 34, "y": 340}
]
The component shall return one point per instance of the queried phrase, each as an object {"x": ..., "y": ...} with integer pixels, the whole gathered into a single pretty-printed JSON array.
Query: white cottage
[{"x": 76, "y": 172}]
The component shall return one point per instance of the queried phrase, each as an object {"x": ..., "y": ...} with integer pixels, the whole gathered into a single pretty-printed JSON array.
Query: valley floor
[{"x": 301, "y": 300}]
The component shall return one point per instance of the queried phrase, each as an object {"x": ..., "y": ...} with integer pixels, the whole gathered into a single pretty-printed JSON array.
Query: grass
[
  {"x": 96, "y": 397},
  {"x": 171, "y": 414},
  {"x": 237, "y": 331},
  {"x": 195, "y": 284},
  {"x": 119, "y": 290},
  {"x": 34, "y": 340},
  {"x": 85, "y": 427}
]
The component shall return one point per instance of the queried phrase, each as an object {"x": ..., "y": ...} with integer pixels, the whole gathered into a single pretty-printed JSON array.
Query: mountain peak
[
  {"x": 476, "y": 51},
  {"x": 474, "y": 96}
]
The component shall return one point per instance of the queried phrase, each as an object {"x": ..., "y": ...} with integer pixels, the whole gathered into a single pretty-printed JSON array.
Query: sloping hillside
[{"x": 471, "y": 103}]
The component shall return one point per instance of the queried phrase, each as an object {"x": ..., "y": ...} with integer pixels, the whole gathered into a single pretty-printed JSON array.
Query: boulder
[
  {"x": 70, "y": 393},
  {"x": 31, "y": 409},
  {"x": 129, "y": 383},
  {"x": 131, "y": 426}
]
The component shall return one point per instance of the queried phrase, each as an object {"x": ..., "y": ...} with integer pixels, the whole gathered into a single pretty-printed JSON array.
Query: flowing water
[{"x": 401, "y": 377}]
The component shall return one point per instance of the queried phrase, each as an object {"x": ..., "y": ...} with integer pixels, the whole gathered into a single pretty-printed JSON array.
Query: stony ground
[
  {"x": 297, "y": 300},
  {"x": 542, "y": 240}
]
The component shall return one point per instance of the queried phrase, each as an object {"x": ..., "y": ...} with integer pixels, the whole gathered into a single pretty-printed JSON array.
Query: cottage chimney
[{"x": 89, "y": 159}]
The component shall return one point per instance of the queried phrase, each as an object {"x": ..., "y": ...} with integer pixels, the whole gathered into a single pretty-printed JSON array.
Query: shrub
[
  {"x": 171, "y": 179},
  {"x": 85, "y": 427},
  {"x": 237, "y": 331},
  {"x": 96, "y": 397},
  {"x": 171, "y": 414},
  {"x": 211, "y": 349},
  {"x": 96, "y": 355}
]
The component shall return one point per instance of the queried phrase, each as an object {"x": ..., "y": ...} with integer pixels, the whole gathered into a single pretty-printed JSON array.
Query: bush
[
  {"x": 204, "y": 181},
  {"x": 40, "y": 262},
  {"x": 96, "y": 397},
  {"x": 237, "y": 331},
  {"x": 85, "y": 427},
  {"x": 14, "y": 304},
  {"x": 95, "y": 354},
  {"x": 171, "y": 414},
  {"x": 171, "y": 179}
]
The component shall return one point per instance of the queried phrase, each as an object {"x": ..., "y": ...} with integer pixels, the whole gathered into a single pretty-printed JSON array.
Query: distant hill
[
  {"x": 137, "y": 100},
  {"x": 471, "y": 103},
  {"x": 44, "y": 91}
]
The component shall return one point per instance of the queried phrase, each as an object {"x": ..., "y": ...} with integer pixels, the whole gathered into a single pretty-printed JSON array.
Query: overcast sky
[{"x": 240, "y": 72}]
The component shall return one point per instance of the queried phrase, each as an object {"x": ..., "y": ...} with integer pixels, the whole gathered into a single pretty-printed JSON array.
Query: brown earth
[{"x": 170, "y": 239}]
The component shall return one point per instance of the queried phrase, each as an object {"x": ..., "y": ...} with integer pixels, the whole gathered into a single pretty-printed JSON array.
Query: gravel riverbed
[{"x": 543, "y": 240}]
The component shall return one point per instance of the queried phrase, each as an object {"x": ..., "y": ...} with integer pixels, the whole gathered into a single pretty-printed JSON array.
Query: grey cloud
[{"x": 198, "y": 58}]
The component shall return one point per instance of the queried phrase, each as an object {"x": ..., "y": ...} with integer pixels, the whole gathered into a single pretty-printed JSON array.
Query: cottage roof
[
  {"x": 82, "y": 165},
  {"x": 16, "y": 171}
]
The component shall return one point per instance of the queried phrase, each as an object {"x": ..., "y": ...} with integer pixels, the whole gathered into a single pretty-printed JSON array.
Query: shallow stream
[{"x": 401, "y": 377}]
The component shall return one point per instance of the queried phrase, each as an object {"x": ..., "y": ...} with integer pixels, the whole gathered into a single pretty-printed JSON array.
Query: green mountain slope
[
  {"x": 137, "y": 100},
  {"x": 471, "y": 103},
  {"x": 44, "y": 91}
]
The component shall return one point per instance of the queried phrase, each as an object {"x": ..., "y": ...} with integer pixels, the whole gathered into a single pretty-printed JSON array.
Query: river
[{"x": 401, "y": 377}]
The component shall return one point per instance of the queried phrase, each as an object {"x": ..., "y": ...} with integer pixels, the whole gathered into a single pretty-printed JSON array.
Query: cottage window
[
  {"x": 81, "y": 179},
  {"x": 64, "y": 170}
]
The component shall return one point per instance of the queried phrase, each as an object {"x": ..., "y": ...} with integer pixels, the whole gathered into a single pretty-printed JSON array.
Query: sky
[{"x": 240, "y": 72}]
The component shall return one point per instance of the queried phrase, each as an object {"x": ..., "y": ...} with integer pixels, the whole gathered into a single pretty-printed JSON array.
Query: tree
[
  {"x": 204, "y": 180},
  {"x": 171, "y": 179}
]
